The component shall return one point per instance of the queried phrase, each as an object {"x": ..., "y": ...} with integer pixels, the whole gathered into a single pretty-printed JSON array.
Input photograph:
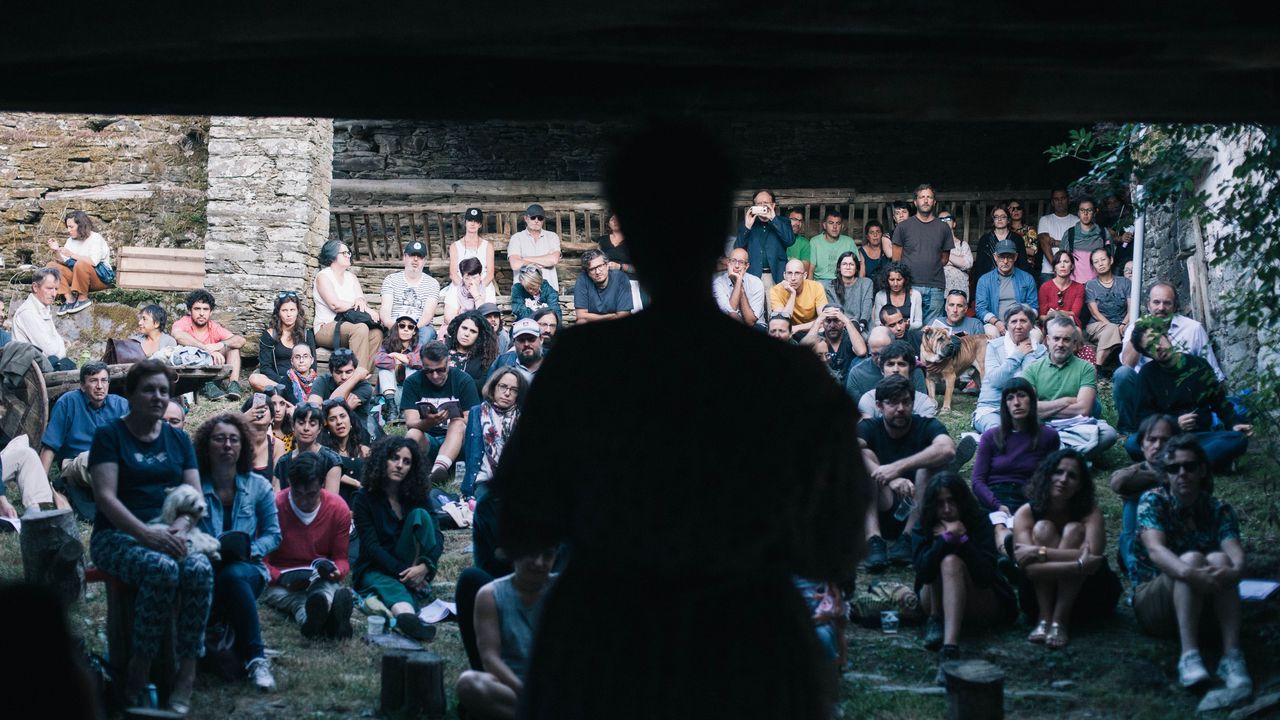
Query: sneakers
[
  {"x": 62, "y": 309},
  {"x": 339, "y": 625},
  {"x": 1191, "y": 670},
  {"x": 948, "y": 653},
  {"x": 317, "y": 615},
  {"x": 74, "y": 307},
  {"x": 900, "y": 551},
  {"x": 933, "y": 633},
  {"x": 412, "y": 626},
  {"x": 965, "y": 449},
  {"x": 877, "y": 554},
  {"x": 970, "y": 389},
  {"x": 1232, "y": 671},
  {"x": 233, "y": 390},
  {"x": 260, "y": 674},
  {"x": 211, "y": 391}
]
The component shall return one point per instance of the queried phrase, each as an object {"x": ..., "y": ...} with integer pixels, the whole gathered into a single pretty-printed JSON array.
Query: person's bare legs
[
  {"x": 184, "y": 683},
  {"x": 1188, "y": 603},
  {"x": 884, "y": 501},
  {"x": 1044, "y": 533},
  {"x": 1068, "y": 586},
  {"x": 403, "y": 607},
  {"x": 260, "y": 382},
  {"x": 955, "y": 592},
  {"x": 484, "y": 696},
  {"x": 1226, "y": 604}
]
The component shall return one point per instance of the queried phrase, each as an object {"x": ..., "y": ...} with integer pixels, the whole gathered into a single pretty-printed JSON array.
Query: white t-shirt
[
  {"x": 347, "y": 289},
  {"x": 94, "y": 247},
  {"x": 1056, "y": 227},
  {"x": 409, "y": 299},
  {"x": 524, "y": 245}
]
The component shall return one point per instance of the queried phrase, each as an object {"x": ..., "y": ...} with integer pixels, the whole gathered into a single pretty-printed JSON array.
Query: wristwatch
[{"x": 1043, "y": 554}]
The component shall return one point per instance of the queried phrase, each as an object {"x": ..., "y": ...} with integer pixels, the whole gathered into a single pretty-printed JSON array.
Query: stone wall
[
  {"x": 142, "y": 179},
  {"x": 268, "y": 206},
  {"x": 867, "y": 156}
]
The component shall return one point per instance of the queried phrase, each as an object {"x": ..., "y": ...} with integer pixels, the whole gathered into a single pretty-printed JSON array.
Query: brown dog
[{"x": 972, "y": 352}]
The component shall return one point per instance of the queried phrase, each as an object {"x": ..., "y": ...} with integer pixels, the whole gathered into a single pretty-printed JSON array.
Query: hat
[
  {"x": 410, "y": 318},
  {"x": 473, "y": 214},
  {"x": 416, "y": 248},
  {"x": 535, "y": 209},
  {"x": 488, "y": 309},
  {"x": 1006, "y": 247},
  {"x": 526, "y": 326}
]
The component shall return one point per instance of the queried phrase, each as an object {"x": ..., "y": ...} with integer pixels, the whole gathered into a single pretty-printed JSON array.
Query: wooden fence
[{"x": 379, "y": 233}]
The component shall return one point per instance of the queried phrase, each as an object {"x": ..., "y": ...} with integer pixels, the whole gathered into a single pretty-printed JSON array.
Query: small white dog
[{"x": 186, "y": 500}]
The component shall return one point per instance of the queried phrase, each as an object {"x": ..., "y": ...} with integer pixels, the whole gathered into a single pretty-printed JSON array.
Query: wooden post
[
  {"x": 424, "y": 685},
  {"x": 975, "y": 690},
  {"x": 391, "y": 697},
  {"x": 52, "y": 555}
]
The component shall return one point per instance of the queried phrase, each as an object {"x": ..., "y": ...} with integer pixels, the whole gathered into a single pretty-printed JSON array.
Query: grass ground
[{"x": 1110, "y": 671}]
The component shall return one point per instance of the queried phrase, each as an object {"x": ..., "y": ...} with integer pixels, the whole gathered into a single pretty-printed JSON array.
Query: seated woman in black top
[
  {"x": 472, "y": 345},
  {"x": 400, "y": 544},
  {"x": 288, "y": 327},
  {"x": 347, "y": 440},
  {"x": 955, "y": 561}
]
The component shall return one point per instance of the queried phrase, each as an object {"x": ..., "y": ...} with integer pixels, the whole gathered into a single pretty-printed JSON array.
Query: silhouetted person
[{"x": 686, "y": 521}]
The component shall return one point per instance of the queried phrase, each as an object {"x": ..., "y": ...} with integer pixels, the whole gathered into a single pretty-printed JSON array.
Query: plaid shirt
[{"x": 1201, "y": 528}]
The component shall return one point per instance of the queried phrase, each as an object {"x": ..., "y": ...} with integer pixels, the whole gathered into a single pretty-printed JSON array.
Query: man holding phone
[
  {"x": 434, "y": 404},
  {"x": 766, "y": 236}
]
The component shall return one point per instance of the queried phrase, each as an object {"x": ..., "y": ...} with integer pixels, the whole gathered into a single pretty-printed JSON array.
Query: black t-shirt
[
  {"x": 472, "y": 365},
  {"x": 457, "y": 386},
  {"x": 146, "y": 469},
  {"x": 619, "y": 254},
  {"x": 919, "y": 436},
  {"x": 326, "y": 384},
  {"x": 328, "y": 459},
  {"x": 839, "y": 360}
]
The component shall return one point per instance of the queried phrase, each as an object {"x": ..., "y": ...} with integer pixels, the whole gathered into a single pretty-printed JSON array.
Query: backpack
[{"x": 1069, "y": 238}]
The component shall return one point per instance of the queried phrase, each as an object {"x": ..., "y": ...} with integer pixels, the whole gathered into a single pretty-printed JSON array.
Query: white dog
[{"x": 186, "y": 500}]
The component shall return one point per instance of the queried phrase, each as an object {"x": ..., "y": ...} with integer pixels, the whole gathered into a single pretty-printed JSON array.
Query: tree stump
[
  {"x": 391, "y": 696},
  {"x": 424, "y": 686},
  {"x": 52, "y": 555},
  {"x": 975, "y": 690}
]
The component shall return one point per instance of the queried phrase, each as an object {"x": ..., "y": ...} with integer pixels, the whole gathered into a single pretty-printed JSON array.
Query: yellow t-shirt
[{"x": 811, "y": 298}]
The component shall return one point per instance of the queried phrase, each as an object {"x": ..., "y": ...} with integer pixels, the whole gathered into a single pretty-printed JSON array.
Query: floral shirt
[{"x": 1201, "y": 528}]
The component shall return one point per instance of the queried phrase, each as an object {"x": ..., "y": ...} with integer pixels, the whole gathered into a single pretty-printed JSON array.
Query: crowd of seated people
[{"x": 304, "y": 470}]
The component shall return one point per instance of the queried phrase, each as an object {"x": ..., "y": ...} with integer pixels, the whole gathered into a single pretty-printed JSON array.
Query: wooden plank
[
  {"x": 167, "y": 253},
  {"x": 573, "y": 227},
  {"x": 179, "y": 266},
  {"x": 337, "y": 223},
  {"x": 158, "y": 281}
]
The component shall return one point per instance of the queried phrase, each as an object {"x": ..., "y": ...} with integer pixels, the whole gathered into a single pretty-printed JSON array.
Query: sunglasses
[
  {"x": 538, "y": 218},
  {"x": 407, "y": 326},
  {"x": 289, "y": 294},
  {"x": 1176, "y": 468},
  {"x": 1014, "y": 208},
  {"x": 947, "y": 219}
]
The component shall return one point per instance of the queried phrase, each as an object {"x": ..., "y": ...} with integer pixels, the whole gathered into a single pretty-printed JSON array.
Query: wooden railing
[{"x": 379, "y": 234}]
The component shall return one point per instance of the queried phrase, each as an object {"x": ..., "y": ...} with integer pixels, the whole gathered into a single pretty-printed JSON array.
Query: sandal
[
  {"x": 1057, "y": 637},
  {"x": 1039, "y": 634}
]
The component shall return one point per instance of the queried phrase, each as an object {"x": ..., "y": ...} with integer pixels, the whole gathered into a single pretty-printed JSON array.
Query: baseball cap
[
  {"x": 1006, "y": 247},
  {"x": 473, "y": 214},
  {"x": 535, "y": 209},
  {"x": 416, "y": 248},
  {"x": 488, "y": 309},
  {"x": 526, "y": 326}
]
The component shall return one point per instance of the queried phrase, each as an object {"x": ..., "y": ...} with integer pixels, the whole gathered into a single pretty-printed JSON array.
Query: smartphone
[
  {"x": 259, "y": 399},
  {"x": 759, "y": 209}
]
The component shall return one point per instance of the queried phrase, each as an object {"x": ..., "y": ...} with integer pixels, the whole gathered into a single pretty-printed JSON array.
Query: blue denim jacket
[
  {"x": 472, "y": 451},
  {"x": 987, "y": 294},
  {"x": 253, "y": 511}
]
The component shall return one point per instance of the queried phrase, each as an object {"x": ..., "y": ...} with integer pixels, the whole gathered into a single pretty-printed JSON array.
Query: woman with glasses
[
  {"x": 472, "y": 245},
  {"x": 984, "y": 260},
  {"x": 337, "y": 290},
  {"x": 956, "y": 271},
  {"x": 287, "y": 328},
  {"x": 1028, "y": 256},
  {"x": 851, "y": 290}
]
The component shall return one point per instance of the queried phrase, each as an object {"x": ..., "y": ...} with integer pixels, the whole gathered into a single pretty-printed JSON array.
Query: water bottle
[
  {"x": 460, "y": 469},
  {"x": 153, "y": 698}
]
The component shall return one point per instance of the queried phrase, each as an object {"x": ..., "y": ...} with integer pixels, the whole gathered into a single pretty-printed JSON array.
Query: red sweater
[{"x": 328, "y": 535}]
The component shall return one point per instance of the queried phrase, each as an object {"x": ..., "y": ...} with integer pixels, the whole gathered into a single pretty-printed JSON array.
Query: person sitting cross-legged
[
  {"x": 1068, "y": 390},
  {"x": 1189, "y": 558},
  {"x": 955, "y": 561},
  {"x": 898, "y": 359},
  {"x": 315, "y": 527},
  {"x": 1059, "y": 539},
  {"x": 902, "y": 450},
  {"x": 1132, "y": 481},
  {"x": 506, "y": 619},
  {"x": 438, "y": 432}
]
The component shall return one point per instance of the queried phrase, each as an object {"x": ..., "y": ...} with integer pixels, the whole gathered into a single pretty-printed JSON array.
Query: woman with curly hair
[
  {"x": 955, "y": 559},
  {"x": 287, "y": 328},
  {"x": 241, "y": 510},
  {"x": 895, "y": 281},
  {"x": 349, "y": 441},
  {"x": 1059, "y": 538},
  {"x": 400, "y": 544},
  {"x": 472, "y": 345}
]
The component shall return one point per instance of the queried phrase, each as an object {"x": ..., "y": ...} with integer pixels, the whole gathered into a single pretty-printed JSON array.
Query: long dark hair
[
  {"x": 486, "y": 345},
  {"x": 838, "y": 283},
  {"x": 971, "y": 514},
  {"x": 1040, "y": 484},
  {"x": 299, "y": 332},
  {"x": 414, "y": 487},
  {"x": 244, "y": 463},
  {"x": 902, "y": 269},
  {"x": 1006, "y": 418},
  {"x": 391, "y": 342},
  {"x": 355, "y": 439}
]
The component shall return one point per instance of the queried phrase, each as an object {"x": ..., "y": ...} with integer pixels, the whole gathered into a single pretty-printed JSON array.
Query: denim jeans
[
  {"x": 1222, "y": 446},
  {"x": 932, "y": 302},
  {"x": 1128, "y": 535},
  {"x": 1124, "y": 391},
  {"x": 235, "y": 599}
]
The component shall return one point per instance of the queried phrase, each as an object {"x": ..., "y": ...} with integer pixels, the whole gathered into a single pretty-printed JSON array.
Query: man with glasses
[
  {"x": 434, "y": 405},
  {"x": 411, "y": 292},
  {"x": 797, "y": 297},
  {"x": 924, "y": 245},
  {"x": 767, "y": 236},
  {"x": 1051, "y": 228},
  {"x": 600, "y": 293},
  {"x": 536, "y": 245},
  {"x": 836, "y": 340},
  {"x": 526, "y": 350},
  {"x": 1085, "y": 237},
  {"x": 738, "y": 293},
  {"x": 1002, "y": 288},
  {"x": 799, "y": 249},
  {"x": 827, "y": 248}
]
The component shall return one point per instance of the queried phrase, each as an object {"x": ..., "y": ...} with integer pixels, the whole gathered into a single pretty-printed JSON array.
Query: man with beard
[
  {"x": 1185, "y": 333},
  {"x": 198, "y": 329},
  {"x": 548, "y": 324},
  {"x": 767, "y": 236},
  {"x": 897, "y": 359},
  {"x": 438, "y": 432},
  {"x": 525, "y": 354},
  {"x": 924, "y": 245},
  {"x": 902, "y": 451},
  {"x": 836, "y": 341},
  {"x": 1068, "y": 388},
  {"x": 1052, "y": 227}
]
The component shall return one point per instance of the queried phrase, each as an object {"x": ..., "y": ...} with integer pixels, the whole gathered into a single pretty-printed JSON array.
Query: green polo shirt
[
  {"x": 824, "y": 253},
  {"x": 1052, "y": 382},
  {"x": 799, "y": 249}
]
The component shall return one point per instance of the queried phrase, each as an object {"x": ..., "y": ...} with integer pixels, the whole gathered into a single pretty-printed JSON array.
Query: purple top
[{"x": 1015, "y": 465}]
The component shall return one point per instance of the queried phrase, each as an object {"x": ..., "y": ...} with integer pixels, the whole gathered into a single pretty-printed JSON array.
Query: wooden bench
[{"x": 149, "y": 268}]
